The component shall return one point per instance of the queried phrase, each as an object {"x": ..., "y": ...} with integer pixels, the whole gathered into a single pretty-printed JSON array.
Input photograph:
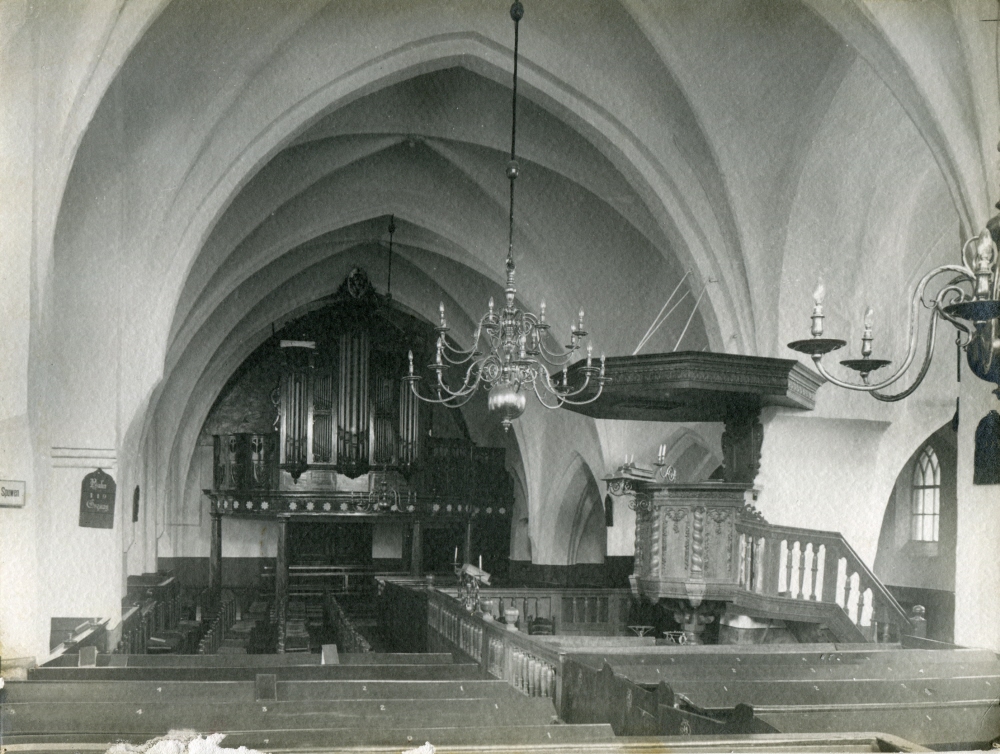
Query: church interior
[{"x": 601, "y": 374}]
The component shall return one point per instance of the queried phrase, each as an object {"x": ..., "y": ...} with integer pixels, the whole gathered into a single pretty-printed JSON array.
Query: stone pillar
[
  {"x": 977, "y": 567},
  {"x": 417, "y": 551},
  {"x": 215, "y": 557}
]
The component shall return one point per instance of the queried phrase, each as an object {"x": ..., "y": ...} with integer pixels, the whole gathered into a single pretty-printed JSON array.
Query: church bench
[
  {"x": 710, "y": 694},
  {"x": 569, "y": 737},
  {"x": 437, "y": 672},
  {"x": 965, "y": 725},
  {"x": 20, "y": 692},
  {"x": 823, "y": 670},
  {"x": 253, "y": 660},
  {"x": 795, "y": 654},
  {"x": 157, "y": 718}
]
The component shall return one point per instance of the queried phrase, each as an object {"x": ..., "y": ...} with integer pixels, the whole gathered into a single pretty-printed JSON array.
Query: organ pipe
[
  {"x": 352, "y": 407},
  {"x": 296, "y": 405},
  {"x": 409, "y": 426}
]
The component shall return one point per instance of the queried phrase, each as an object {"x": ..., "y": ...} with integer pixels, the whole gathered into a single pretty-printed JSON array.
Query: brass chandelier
[
  {"x": 514, "y": 357},
  {"x": 968, "y": 298}
]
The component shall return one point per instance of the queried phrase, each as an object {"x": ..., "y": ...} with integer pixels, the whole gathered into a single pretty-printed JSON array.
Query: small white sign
[{"x": 11, "y": 494}]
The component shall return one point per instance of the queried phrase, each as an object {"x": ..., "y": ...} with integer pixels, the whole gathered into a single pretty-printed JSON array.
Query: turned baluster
[
  {"x": 817, "y": 573},
  {"x": 795, "y": 571},
  {"x": 853, "y": 597},
  {"x": 808, "y": 571},
  {"x": 840, "y": 596},
  {"x": 783, "y": 567},
  {"x": 758, "y": 558},
  {"x": 867, "y": 608}
]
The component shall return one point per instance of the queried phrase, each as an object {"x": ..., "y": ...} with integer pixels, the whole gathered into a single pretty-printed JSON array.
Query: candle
[
  {"x": 441, "y": 309},
  {"x": 602, "y": 365},
  {"x": 590, "y": 351},
  {"x": 817, "y": 315},
  {"x": 410, "y": 356},
  {"x": 866, "y": 337},
  {"x": 541, "y": 317},
  {"x": 580, "y": 327},
  {"x": 456, "y": 554},
  {"x": 480, "y": 562},
  {"x": 491, "y": 307}
]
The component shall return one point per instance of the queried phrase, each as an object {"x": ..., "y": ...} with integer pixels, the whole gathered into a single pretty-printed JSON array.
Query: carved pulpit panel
[{"x": 686, "y": 544}]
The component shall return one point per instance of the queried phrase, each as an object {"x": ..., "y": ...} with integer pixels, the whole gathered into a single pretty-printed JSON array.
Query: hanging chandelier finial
[{"x": 516, "y": 358}]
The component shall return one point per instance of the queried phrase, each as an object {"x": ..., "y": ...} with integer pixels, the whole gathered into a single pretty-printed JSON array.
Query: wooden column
[
  {"x": 417, "y": 551},
  {"x": 467, "y": 549},
  {"x": 281, "y": 571},
  {"x": 215, "y": 558}
]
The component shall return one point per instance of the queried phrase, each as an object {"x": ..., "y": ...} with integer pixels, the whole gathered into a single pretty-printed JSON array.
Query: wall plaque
[
  {"x": 97, "y": 501},
  {"x": 12, "y": 494}
]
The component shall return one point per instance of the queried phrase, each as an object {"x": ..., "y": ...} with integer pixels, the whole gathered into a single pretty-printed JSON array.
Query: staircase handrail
[{"x": 745, "y": 526}]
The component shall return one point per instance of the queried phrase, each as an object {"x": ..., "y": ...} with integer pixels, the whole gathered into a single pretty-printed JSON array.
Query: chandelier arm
[
  {"x": 564, "y": 394},
  {"x": 467, "y": 387},
  {"x": 564, "y": 400},
  {"x": 449, "y": 401},
  {"x": 469, "y": 355},
  {"x": 559, "y": 401},
  {"x": 475, "y": 342},
  {"x": 912, "y": 334},
  {"x": 557, "y": 359},
  {"x": 928, "y": 355}
]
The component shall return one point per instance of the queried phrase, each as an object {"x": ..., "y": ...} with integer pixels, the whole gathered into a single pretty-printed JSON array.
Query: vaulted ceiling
[{"x": 238, "y": 159}]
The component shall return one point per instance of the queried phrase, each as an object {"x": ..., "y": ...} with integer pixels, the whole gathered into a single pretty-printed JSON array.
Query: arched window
[{"x": 926, "y": 510}]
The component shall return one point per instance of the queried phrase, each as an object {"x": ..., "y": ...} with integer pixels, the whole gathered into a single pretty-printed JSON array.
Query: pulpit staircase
[{"x": 811, "y": 576}]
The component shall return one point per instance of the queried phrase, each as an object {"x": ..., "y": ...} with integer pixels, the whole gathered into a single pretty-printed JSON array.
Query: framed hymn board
[{"x": 97, "y": 501}]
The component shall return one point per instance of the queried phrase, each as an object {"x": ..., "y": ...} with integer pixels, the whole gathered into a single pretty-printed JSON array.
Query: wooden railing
[
  {"x": 592, "y": 612},
  {"x": 799, "y": 572},
  {"x": 526, "y": 664}
]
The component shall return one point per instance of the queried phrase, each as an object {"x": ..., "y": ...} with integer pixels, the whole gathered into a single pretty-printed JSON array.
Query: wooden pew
[
  {"x": 157, "y": 718},
  {"x": 578, "y": 739},
  {"x": 775, "y": 654},
  {"x": 596, "y": 696},
  {"x": 711, "y": 693},
  {"x": 22, "y": 692},
  {"x": 927, "y": 710},
  {"x": 252, "y": 660},
  {"x": 432, "y": 672},
  {"x": 814, "y": 671},
  {"x": 548, "y": 738}
]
